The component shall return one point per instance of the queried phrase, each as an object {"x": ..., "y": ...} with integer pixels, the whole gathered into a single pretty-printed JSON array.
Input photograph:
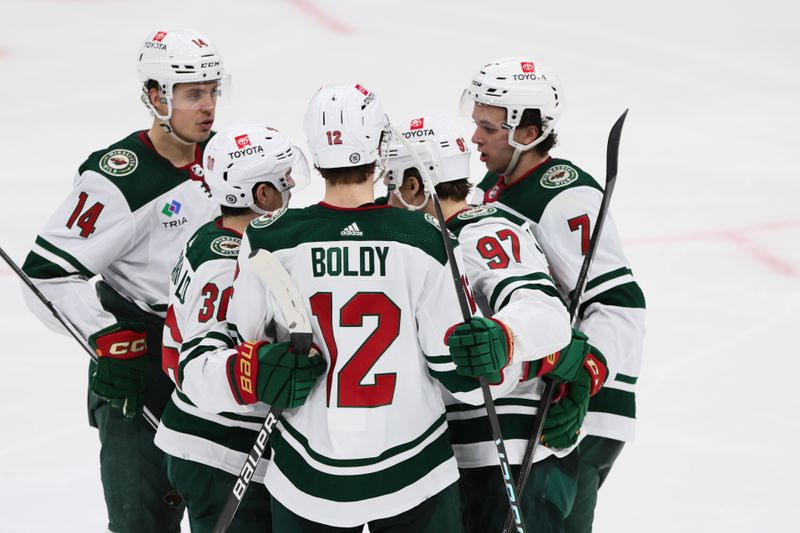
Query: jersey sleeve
[
  {"x": 91, "y": 228},
  {"x": 197, "y": 325},
  {"x": 612, "y": 306},
  {"x": 437, "y": 312},
  {"x": 510, "y": 280}
]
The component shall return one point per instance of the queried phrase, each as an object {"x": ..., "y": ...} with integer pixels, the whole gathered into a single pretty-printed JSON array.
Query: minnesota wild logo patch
[
  {"x": 434, "y": 222},
  {"x": 119, "y": 162},
  {"x": 475, "y": 212},
  {"x": 265, "y": 220},
  {"x": 559, "y": 176},
  {"x": 226, "y": 246}
]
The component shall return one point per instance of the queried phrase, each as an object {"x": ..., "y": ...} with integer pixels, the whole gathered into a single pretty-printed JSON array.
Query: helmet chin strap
[
  {"x": 513, "y": 163},
  {"x": 168, "y": 129}
]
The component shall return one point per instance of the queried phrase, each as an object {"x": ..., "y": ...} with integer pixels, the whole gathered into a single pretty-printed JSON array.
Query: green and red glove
[
  {"x": 480, "y": 347},
  {"x": 580, "y": 369},
  {"x": 122, "y": 366},
  {"x": 273, "y": 374}
]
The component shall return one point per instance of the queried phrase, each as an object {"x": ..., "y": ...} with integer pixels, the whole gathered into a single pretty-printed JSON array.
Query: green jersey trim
[
  {"x": 614, "y": 401},
  {"x": 358, "y": 487},
  {"x": 608, "y": 276},
  {"x": 237, "y": 438},
  {"x": 391, "y": 452},
  {"x": 476, "y": 430},
  {"x": 626, "y": 379},
  {"x": 626, "y": 295},
  {"x": 37, "y": 267},
  {"x": 526, "y": 277},
  {"x": 322, "y": 224},
  {"x": 65, "y": 256}
]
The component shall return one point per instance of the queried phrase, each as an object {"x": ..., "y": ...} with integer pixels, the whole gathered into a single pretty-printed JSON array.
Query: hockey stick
[
  {"x": 69, "y": 326},
  {"x": 466, "y": 313},
  {"x": 281, "y": 286},
  {"x": 612, "y": 158}
]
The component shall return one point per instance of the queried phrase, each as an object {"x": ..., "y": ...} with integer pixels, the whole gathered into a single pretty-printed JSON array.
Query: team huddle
[{"x": 154, "y": 257}]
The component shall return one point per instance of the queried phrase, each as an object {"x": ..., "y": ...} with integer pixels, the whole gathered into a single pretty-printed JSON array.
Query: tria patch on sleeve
[
  {"x": 119, "y": 162},
  {"x": 265, "y": 220},
  {"x": 226, "y": 246},
  {"x": 559, "y": 176}
]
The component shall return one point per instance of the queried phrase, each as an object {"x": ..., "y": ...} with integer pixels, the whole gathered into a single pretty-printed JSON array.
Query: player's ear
[{"x": 526, "y": 134}]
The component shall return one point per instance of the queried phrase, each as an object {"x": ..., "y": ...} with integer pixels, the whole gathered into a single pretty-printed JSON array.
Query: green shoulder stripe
[
  {"x": 211, "y": 241},
  {"x": 289, "y": 228},
  {"x": 534, "y": 191},
  {"x": 136, "y": 169},
  {"x": 477, "y": 213}
]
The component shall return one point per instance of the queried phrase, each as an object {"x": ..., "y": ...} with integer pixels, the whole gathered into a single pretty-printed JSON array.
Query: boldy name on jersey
[{"x": 362, "y": 261}]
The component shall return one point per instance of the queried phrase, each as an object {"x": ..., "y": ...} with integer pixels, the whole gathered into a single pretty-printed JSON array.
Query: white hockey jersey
[
  {"x": 561, "y": 203},
  {"x": 508, "y": 274},
  {"x": 195, "y": 348},
  {"x": 372, "y": 440},
  {"x": 127, "y": 218}
]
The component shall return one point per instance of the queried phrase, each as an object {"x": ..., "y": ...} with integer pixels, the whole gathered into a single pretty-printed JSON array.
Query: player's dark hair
[
  {"x": 533, "y": 117},
  {"x": 240, "y": 211},
  {"x": 456, "y": 190},
  {"x": 348, "y": 175}
]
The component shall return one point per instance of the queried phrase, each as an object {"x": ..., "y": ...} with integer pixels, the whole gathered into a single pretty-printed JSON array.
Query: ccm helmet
[{"x": 179, "y": 56}]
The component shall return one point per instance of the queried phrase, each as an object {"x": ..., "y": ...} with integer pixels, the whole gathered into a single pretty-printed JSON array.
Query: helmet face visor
[
  {"x": 201, "y": 95},
  {"x": 296, "y": 177}
]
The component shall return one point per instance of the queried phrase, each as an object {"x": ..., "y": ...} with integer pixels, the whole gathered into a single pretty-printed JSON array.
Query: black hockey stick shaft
[
  {"x": 301, "y": 343},
  {"x": 289, "y": 300},
  {"x": 466, "y": 312},
  {"x": 68, "y": 325},
  {"x": 612, "y": 160}
]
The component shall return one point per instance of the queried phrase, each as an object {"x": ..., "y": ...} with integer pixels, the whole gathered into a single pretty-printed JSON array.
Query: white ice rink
[{"x": 706, "y": 203}]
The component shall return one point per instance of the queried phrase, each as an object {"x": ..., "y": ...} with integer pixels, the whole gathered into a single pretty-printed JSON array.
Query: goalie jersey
[
  {"x": 126, "y": 218},
  {"x": 561, "y": 202},
  {"x": 194, "y": 425},
  {"x": 372, "y": 440}
]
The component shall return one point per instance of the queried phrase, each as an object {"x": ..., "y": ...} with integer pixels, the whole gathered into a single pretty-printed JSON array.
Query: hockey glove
[
  {"x": 480, "y": 347},
  {"x": 565, "y": 418},
  {"x": 271, "y": 373},
  {"x": 565, "y": 365},
  {"x": 122, "y": 366}
]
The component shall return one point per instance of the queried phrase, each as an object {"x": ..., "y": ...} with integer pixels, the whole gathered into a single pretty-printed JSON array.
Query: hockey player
[
  {"x": 250, "y": 170},
  {"x": 508, "y": 274},
  {"x": 370, "y": 445},
  {"x": 515, "y": 103},
  {"x": 133, "y": 206}
]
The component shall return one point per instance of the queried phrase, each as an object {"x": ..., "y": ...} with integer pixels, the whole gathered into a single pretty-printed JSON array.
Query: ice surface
[{"x": 706, "y": 203}]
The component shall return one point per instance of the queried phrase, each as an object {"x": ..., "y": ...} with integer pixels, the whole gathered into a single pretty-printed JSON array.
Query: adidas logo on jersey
[{"x": 351, "y": 230}]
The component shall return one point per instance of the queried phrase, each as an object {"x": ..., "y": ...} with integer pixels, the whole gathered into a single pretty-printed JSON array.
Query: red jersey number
[
  {"x": 581, "y": 223},
  {"x": 86, "y": 220},
  {"x": 351, "y": 392}
]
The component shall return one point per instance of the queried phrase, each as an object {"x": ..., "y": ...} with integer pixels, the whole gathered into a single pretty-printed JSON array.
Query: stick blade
[{"x": 287, "y": 296}]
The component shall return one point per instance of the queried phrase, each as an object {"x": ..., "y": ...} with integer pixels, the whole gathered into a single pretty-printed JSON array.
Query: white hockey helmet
[
  {"x": 238, "y": 158},
  {"x": 179, "y": 56},
  {"x": 516, "y": 84},
  {"x": 345, "y": 125},
  {"x": 437, "y": 144}
]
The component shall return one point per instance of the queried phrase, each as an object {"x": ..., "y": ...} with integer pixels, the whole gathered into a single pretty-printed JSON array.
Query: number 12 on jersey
[{"x": 350, "y": 391}]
